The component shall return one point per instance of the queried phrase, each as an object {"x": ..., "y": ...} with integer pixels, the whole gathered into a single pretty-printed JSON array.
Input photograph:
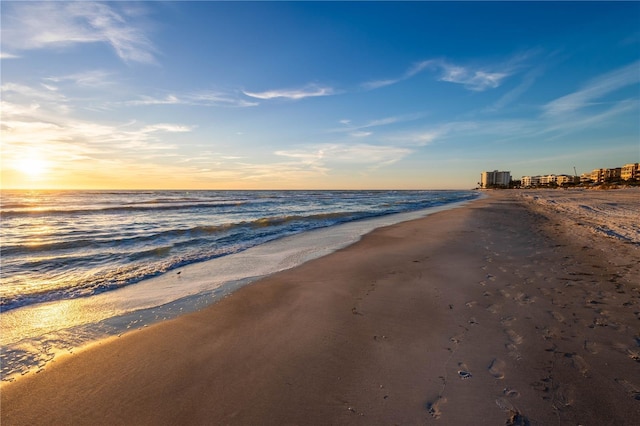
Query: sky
[{"x": 314, "y": 95}]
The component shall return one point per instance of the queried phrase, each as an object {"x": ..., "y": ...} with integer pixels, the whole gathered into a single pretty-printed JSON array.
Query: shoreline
[
  {"x": 35, "y": 335},
  {"x": 493, "y": 310}
]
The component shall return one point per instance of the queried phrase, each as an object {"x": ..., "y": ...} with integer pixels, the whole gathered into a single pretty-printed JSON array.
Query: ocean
[{"x": 82, "y": 265}]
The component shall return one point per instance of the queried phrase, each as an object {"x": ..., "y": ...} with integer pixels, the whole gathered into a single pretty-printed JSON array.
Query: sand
[{"x": 500, "y": 312}]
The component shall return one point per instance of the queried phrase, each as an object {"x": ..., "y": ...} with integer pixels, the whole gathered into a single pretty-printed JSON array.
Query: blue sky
[{"x": 306, "y": 95}]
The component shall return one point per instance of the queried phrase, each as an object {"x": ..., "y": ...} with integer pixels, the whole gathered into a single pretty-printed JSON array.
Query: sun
[{"x": 32, "y": 165}]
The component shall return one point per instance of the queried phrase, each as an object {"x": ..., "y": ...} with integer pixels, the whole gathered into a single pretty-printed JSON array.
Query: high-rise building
[{"x": 495, "y": 179}]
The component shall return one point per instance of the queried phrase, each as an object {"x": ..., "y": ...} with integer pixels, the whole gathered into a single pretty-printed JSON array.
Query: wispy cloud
[
  {"x": 33, "y": 95},
  {"x": 594, "y": 90},
  {"x": 91, "y": 78},
  {"x": 294, "y": 94},
  {"x": 360, "y": 134},
  {"x": 165, "y": 127},
  {"x": 323, "y": 154},
  {"x": 67, "y": 139},
  {"x": 203, "y": 98},
  {"x": 41, "y": 25},
  {"x": 527, "y": 81},
  {"x": 359, "y": 130},
  {"x": 476, "y": 80},
  {"x": 413, "y": 70},
  {"x": 581, "y": 122},
  {"x": 149, "y": 100},
  {"x": 4, "y": 55}
]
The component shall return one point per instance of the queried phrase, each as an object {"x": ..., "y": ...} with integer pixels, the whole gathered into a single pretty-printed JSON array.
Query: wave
[
  {"x": 125, "y": 208},
  {"x": 106, "y": 258},
  {"x": 85, "y": 242},
  {"x": 131, "y": 266}
]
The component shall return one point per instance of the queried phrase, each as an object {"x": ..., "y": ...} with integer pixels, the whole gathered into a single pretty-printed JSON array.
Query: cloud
[
  {"x": 293, "y": 172},
  {"x": 295, "y": 94},
  {"x": 358, "y": 130},
  {"x": 68, "y": 139},
  {"x": 509, "y": 97},
  {"x": 594, "y": 90},
  {"x": 148, "y": 100},
  {"x": 93, "y": 78},
  {"x": 204, "y": 98},
  {"x": 588, "y": 121},
  {"x": 23, "y": 92},
  {"x": 476, "y": 80},
  {"x": 164, "y": 127},
  {"x": 360, "y": 134},
  {"x": 376, "y": 84},
  {"x": 412, "y": 71},
  {"x": 5, "y": 55},
  {"x": 374, "y": 155},
  {"x": 41, "y": 25}
]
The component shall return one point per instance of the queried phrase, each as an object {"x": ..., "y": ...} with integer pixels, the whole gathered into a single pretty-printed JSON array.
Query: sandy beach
[{"x": 517, "y": 309}]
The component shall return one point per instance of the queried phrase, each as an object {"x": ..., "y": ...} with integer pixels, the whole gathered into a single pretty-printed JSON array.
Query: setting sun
[{"x": 32, "y": 165}]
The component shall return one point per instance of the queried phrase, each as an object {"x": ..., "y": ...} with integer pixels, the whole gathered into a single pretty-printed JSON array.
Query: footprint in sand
[
  {"x": 563, "y": 396},
  {"x": 549, "y": 333},
  {"x": 514, "y": 337},
  {"x": 513, "y": 352},
  {"x": 511, "y": 393},
  {"x": 433, "y": 407},
  {"x": 514, "y": 416},
  {"x": 504, "y": 405},
  {"x": 557, "y": 316},
  {"x": 457, "y": 338},
  {"x": 524, "y": 299},
  {"x": 630, "y": 388},
  {"x": 633, "y": 354},
  {"x": 590, "y": 347},
  {"x": 578, "y": 363},
  {"x": 463, "y": 371},
  {"x": 507, "y": 321},
  {"x": 494, "y": 309},
  {"x": 496, "y": 368},
  {"x": 517, "y": 419}
]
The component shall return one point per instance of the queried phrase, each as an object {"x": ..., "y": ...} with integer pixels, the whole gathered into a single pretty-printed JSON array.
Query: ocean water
[{"x": 80, "y": 265}]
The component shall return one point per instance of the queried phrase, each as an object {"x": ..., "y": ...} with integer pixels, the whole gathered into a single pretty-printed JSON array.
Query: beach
[{"x": 518, "y": 308}]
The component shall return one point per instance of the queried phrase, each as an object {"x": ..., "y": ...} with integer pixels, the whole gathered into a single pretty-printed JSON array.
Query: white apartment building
[
  {"x": 548, "y": 179},
  {"x": 529, "y": 181},
  {"x": 495, "y": 178},
  {"x": 562, "y": 179}
]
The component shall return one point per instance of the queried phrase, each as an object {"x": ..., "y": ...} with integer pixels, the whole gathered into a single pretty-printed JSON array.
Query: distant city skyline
[{"x": 314, "y": 95}]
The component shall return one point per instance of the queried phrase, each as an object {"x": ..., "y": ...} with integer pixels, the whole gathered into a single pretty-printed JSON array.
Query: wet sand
[{"x": 500, "y": 312}]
